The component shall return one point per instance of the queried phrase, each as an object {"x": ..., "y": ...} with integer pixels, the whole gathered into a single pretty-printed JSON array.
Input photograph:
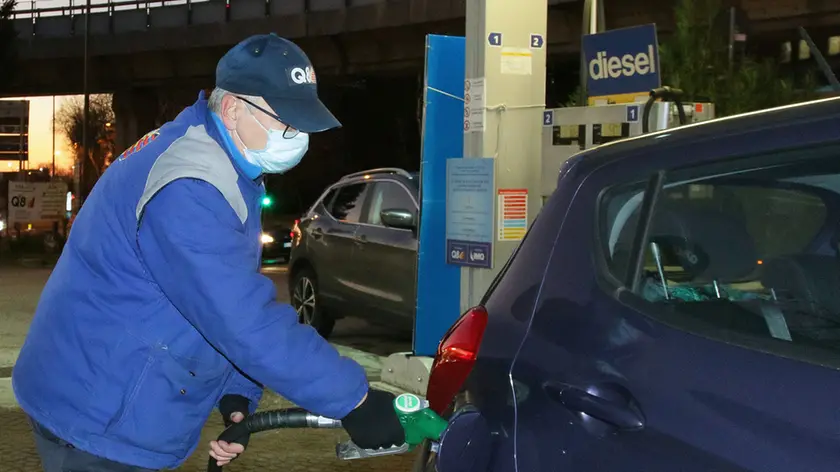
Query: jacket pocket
[{"x": 169, "y": 404}]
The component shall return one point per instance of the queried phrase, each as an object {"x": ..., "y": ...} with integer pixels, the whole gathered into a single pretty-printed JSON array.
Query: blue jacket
[{"x": 156, "y": 308}]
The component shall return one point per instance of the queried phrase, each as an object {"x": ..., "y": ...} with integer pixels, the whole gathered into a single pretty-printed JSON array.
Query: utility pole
[
  {"x": 86, "y": 112},
  {"x": 593, "y": 22},
  {"x": 52, "y": 175}
]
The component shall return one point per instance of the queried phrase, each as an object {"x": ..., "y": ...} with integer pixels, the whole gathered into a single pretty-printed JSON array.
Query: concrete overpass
[
  {"x": 140, "y": 42},
  {"x": 163, "y": 51}
]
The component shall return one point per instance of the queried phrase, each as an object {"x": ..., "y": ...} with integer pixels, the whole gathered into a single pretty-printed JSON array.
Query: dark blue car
[{"x": 674, "y": 307}]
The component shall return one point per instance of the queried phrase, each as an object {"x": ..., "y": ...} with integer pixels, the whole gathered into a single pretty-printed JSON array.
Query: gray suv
[{"x": 355, "y": 252}]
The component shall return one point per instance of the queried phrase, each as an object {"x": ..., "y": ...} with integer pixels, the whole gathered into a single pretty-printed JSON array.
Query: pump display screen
[
  {"x": 567, "y": 135},
  {"x": 605, "y": 132}
]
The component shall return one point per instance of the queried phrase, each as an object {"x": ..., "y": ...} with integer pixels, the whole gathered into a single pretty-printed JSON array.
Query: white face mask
[{"x": 280, "y": 154}]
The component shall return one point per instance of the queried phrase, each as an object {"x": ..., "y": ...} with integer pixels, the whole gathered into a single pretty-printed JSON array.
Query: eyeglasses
[{"x": 288, "y": 132}]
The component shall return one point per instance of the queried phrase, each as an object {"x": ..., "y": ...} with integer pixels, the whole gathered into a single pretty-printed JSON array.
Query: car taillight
[
  {"x": 295, "y": 229},
  {"x": 455, "y": 358}
]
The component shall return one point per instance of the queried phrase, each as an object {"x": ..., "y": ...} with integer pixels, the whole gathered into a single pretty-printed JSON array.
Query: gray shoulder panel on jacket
[{"x": 196, "y": 156}]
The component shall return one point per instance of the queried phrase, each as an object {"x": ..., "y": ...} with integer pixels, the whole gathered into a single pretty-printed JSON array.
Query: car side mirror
[{"x": 398, "y": 218}]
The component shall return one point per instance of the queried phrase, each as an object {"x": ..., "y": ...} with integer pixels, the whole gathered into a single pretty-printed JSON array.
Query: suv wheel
[{"x": 306, "y": 303}]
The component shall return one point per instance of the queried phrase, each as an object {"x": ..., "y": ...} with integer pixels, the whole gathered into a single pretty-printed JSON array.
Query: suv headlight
[{"x": 266, "y": 238}]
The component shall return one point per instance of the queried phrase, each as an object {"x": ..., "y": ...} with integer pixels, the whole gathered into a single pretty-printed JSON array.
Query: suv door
[
  {"x": 334, "y": 244},
  {"x": 388, "y": 255},
  {"x": 707, "y": 335}
]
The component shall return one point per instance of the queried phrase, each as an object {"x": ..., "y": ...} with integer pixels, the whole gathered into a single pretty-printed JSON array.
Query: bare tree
[{"x": 69, "y": 121}]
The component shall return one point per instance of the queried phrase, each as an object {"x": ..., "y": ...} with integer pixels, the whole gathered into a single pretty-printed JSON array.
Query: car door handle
[
  {"x": 617, "y": 409},
  {"x": 317, "y": 233}
]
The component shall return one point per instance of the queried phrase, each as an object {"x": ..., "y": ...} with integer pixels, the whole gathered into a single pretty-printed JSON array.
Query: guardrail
[
  {"x": 109, "y": 17},
  {"x": 79, "y": 7},
  {"x": 66, "y": 18}
]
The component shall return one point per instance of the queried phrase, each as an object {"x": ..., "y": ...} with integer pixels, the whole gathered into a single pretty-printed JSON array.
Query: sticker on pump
[{"x": 408, "y": 403}]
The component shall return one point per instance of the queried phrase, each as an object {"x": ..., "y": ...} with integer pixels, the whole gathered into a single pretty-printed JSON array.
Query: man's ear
[{"x": 229, "y": 111}]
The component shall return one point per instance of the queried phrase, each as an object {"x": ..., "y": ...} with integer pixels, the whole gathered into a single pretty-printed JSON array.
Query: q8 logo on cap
[
  {"x": 303, "y": 75},
  {"x": 408, "y": 403}
]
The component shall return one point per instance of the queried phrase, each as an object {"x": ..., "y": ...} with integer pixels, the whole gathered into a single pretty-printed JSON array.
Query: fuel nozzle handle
[{"x": 418, "y": 420}]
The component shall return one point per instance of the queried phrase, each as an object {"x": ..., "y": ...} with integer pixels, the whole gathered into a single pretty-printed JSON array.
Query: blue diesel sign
[{"x": 622, "y": 61}]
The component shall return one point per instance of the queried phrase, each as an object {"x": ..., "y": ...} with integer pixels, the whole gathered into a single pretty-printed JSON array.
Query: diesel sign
[
  {"x": 622, "y": 61},
  {"x": 628, "y": 65}
]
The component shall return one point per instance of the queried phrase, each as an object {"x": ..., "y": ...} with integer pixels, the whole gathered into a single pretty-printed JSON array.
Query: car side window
[
  {"x": 348, "y": 203},
  {"x": 745, "y": 253},
  {"x": 388, "y": 195},
  {"x": 327, "y": 201}
]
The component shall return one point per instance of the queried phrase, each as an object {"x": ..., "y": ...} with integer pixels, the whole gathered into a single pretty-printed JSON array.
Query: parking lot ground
[{"x": 287, "y": 451}]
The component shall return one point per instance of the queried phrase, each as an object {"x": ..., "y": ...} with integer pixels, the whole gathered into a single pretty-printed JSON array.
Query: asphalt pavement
[{"x": 288, "y": 451}]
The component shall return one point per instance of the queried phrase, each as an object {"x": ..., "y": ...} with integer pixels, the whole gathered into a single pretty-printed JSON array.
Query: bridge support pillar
[
  {"x": 505, "y": 73},
  {"x": 136, "y": 112}
]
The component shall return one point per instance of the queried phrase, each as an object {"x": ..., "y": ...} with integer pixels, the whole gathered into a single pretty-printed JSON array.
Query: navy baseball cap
[{"x": 277, "y": 70}]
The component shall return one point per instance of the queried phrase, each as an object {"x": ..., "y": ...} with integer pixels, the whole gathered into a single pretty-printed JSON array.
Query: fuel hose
[
  {"x": 286, "y": 418},
  {"x": 666, "y": 94}
]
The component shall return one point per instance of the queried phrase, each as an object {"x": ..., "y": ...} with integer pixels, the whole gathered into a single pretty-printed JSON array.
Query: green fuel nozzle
[{"x": 418, "y": 420}]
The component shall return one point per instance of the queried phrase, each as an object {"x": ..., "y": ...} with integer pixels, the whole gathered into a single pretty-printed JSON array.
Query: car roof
[
  {"x": 801, "y": 114},
  {"x": 393, "y": 174}
]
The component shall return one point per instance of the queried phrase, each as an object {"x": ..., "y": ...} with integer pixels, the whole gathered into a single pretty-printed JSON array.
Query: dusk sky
[{"x": 40, "y": 137}]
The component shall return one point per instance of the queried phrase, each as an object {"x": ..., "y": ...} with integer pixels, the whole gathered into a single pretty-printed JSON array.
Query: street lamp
[
  {"x": 87, "y": 99},
  {"x": 53, "y": 136}
]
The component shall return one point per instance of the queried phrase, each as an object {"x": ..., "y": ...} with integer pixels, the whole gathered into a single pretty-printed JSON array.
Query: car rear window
[{"x": 748, "y": 255}]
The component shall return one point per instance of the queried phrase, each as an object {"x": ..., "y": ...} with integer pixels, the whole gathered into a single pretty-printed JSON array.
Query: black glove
[
  {"x": 374, "y": 424},
  {"x": 230, "y": 404}
]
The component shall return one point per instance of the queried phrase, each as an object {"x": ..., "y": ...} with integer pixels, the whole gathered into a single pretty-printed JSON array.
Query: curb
[
  {"x": 372, "y": 363},
  {"x": 7, "y": 395}
]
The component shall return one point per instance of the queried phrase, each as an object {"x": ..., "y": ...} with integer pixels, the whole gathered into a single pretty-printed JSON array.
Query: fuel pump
[
  {"x": 664, "y": 93},
  {"x": 569, "y": 130}
]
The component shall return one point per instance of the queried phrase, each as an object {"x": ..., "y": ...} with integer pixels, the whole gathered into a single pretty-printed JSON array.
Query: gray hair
[{"x": 214, "y": 103}]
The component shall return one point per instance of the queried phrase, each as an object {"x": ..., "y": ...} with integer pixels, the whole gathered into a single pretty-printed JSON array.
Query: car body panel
[
  {"x": 558, "y": 333},
  {"x": 363, "y": 270},
  {"x": 331, "y": 247},
  {"x": 388, "y": 257},
  {"x": 387, "y": 283}
]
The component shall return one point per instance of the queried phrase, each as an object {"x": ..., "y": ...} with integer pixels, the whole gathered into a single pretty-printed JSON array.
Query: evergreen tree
[{"x": 696, "y": 60}]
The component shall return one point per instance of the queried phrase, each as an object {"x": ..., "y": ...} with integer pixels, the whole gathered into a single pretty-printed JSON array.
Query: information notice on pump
[
  {"x": 513, "y": 214},
  {"x": 469, "y": 212},
  {"x": 475, "y": 110},
  {"x": 36, "y": 202},
  {"x": 516, "y": 61}
]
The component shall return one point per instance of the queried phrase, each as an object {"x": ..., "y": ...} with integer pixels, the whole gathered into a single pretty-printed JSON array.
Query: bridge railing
[
  {"x": 66, "y": 18},
  {"x": 63, "y": 18},
  {"x": 44, "y": 8}
]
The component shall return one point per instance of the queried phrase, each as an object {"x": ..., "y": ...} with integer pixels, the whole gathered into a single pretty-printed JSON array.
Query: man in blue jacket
[{"x": 156, "y": 311}]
